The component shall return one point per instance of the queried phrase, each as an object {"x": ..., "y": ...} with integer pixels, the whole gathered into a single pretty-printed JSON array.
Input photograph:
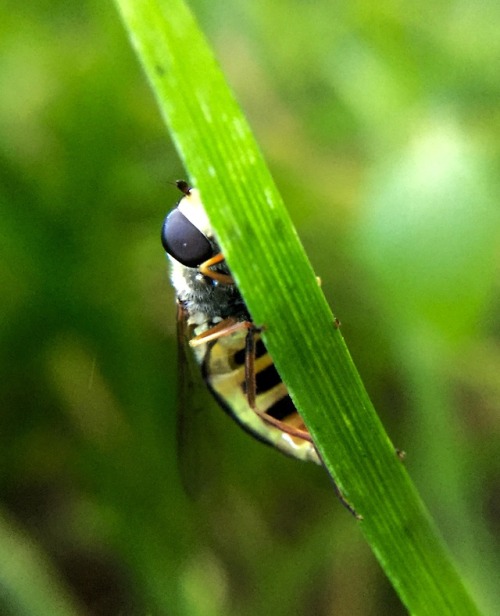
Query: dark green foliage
[{"x": 381, "y": 130}]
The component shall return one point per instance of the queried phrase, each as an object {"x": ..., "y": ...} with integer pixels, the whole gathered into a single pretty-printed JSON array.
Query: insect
[{"x": 227, "y": 344}]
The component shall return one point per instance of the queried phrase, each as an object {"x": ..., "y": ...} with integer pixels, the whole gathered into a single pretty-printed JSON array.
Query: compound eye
[{"x": 183, "y": 241}]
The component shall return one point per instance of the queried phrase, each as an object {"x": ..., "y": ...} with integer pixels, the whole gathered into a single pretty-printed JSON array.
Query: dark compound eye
[{"x": 183, "y": 241}]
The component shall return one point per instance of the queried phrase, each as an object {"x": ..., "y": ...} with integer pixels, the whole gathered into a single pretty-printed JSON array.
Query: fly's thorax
[{"x": 200, "y": 294}]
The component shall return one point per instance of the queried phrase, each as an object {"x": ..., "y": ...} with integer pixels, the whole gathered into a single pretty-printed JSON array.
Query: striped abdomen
[{"x": 223, "y": 365}]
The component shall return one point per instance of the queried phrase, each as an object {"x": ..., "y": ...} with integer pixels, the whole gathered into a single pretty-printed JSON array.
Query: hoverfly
[{"x": 233, "y": 359}]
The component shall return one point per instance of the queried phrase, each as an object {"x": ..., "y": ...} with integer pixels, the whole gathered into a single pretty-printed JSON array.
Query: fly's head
[{"x": 200, "y": 275}]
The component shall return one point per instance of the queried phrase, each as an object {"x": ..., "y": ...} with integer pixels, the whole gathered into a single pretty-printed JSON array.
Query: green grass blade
[{"x": 281, "y": 292}]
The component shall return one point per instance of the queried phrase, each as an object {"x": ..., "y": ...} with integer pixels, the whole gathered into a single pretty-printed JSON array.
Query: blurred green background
[{"x": 381, "y": 125}]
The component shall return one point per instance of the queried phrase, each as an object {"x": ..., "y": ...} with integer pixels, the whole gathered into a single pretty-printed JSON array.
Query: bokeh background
[{"x": 381, "y": 125}]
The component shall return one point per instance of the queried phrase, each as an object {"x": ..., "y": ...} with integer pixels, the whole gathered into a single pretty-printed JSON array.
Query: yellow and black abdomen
[{"x": 223, "y": 366}]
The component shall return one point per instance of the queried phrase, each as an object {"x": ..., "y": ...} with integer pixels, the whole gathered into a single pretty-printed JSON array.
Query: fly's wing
[{"x": 196, "y": 438}]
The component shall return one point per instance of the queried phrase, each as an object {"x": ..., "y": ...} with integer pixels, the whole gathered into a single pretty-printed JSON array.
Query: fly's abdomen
[{"x": 224, "y": 371}]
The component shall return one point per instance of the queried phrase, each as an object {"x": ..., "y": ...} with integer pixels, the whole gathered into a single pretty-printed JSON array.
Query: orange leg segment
[{"x": 204, "y": 269}]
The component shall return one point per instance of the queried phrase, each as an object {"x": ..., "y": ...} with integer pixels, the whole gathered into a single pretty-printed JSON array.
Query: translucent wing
[{"x": 196, "y": 437}]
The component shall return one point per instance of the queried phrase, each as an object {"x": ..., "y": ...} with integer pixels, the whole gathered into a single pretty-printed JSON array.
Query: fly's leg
[
  {"x": 344, "y": 501},
  {"x": 224, "y": 328},
  {"x": 338, "y": 491},
  {"x": 251, "y": 389},
  {"x": 204, "y": 269}
]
